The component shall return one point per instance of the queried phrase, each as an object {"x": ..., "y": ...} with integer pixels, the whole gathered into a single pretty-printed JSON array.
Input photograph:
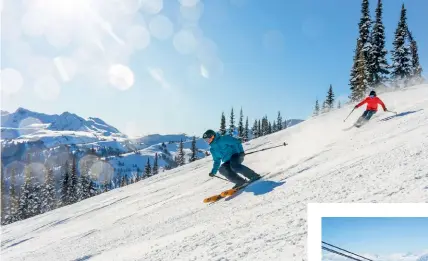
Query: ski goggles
[{"x": 209, "y": 140}]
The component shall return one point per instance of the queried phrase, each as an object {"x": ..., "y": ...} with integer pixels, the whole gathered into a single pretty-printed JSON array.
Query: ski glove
[{"x": 211, "y": 174}]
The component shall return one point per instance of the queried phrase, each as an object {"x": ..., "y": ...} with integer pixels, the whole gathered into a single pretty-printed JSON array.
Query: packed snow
[{"x": 164, "y": 218}]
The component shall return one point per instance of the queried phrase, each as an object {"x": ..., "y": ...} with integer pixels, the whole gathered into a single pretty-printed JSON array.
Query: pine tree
[
  {"x": 241, "y": 125},
  {"x": 359, "y": 75},
  {"x": 148, "y": 168},
  {"x": 85, "y": 183},
  {"x": 180, "y": 158},
  {"x": 274, "y": 127},
  {"x": 25, "y": 201},
  {"x": 93, "y": 191},
  {"x": 4, "y": 205},
  {"x": 255, "y": 129},
  {"x": 64, "y": 198},
  {"x": 155, "y": 169},
  {"x": 416, "y": 67},
  {"x": 265, "y": 126},
  {"x": 279, "y": 122},
  {"x": 378, "y": 64},
  {"x": 13, "y": 199},
  {"x": 339, "y": 105},
  {"x": 73, "y": 180},
  {"x": 317, "y": 108},
  {"x": 48, "y": 192},
  {"x": 232, "y": 122},
  {"x": 270, "y": 128},
  {"x": 85, "y": 178},
  {"x": 246, "y": 130},
  {"x": 364, "y": 33},
  {"x": 330, "y": 98},
  {"x": 223, "y": 124},
  {"x": 401, "y": 53},
  {"x": 123, "y": 182},
  {"x": 36, "y": 197},
  {"x": 194, "y": 150}
]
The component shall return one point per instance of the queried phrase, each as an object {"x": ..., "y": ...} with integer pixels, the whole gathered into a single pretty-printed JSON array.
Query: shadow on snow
[
  {"x": 400, "y": 115},
  {"x": 259, "y": 188}
]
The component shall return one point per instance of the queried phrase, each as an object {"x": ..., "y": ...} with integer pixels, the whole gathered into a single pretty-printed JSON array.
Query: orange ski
[
  {"x": 228, "y": 192},
  {"x": 212, "y": 199}
]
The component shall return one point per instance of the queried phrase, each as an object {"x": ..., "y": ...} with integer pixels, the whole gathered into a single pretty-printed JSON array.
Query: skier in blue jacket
[{"x": 229, "y": 150}]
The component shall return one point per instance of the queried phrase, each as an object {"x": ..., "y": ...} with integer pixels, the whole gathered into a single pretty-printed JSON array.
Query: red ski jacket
[{"x": 372, "y": 103}]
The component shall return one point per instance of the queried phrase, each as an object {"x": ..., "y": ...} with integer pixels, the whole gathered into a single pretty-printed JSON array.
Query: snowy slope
[{"x": 163, "y": 217}]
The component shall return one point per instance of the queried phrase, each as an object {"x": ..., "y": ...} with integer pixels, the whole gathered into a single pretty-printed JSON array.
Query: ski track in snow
[{"x": 164, "y": 218}]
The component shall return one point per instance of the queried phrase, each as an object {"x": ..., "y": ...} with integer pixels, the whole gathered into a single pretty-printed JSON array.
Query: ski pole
[
  {"x": 284, "y": 144},
  {"x": 221, "y": 178},
  {"x": 349, "y": 114},
  {"x": 392, "y": 112}
]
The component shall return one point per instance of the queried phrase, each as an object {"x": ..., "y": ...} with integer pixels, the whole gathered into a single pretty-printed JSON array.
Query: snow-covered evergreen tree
[
  {"x": 246, "y": 130},
  {"x": 241, "y": 124},
  {"x": 359, "y": 75},
  {"x": 48, "y": 192},
  {"x": 378, "y": 64},
  {"x": 317, "y": 108},
  {"x": 339, "y": 105},
  {"x": 148, "y": 168},
  {"x": 26, "y": 202},
  {"x": 4, "y": 203},
  {"x": 194, "y": 150},
  {"x": 181, "y": 160},
  {"x": 364, "y": 34},
  {"x": 416, "y": 66},
  {"x": 255, "y": 129},
  {"x": 223, "y": 124},
  {"x": 73, "y": 182},
  {"x": 265, "y": 126},
  {"x": 123, "y": 182},
  {"x": 329, "y": 102},
  {"x": 64, "y": 191},
  {"x": 274, "y": 127},
  {"x": 270, "y": 128},
  {"x": 279, "y": 122},
  {"x": 155, "y": 169},
  {"x": 12, "y": 213},
  {"x": 232, "y": 122},
  {"x": 401, "y": 66},
  {"x": 259, "y": 126}
]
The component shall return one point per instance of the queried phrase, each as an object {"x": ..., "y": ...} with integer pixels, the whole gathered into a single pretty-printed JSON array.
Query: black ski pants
[{"x": 231, "y": 168}]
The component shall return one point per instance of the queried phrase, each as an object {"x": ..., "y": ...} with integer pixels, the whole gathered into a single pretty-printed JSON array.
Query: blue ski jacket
[{"x": 222, "y": 149}]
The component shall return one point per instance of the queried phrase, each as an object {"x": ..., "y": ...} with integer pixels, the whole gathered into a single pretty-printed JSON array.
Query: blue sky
[
  {"x": 377, "y": 235},
  {"x": 262, "y": 55}
]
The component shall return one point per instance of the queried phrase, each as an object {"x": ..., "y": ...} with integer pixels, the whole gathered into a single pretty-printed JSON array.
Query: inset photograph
[
  {"x": 375, "y": 238},
  {"x": 367, "y": 231}
]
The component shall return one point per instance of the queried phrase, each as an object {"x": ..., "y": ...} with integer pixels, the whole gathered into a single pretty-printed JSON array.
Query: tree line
[
  {"x": 370, "y": 68},
  {"x": 79, "y": 179},
  {"x": 261, "y": 127}
]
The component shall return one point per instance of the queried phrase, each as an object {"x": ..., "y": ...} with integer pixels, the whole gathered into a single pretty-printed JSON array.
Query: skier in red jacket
[{"x": 372, "y": 104}]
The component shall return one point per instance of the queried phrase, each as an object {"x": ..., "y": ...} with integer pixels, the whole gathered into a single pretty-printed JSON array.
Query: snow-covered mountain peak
[{"x": 65, "y": 122}]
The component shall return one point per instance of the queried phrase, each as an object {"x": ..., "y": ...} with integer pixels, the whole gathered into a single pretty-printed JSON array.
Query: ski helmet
[
  {"x": 209, "y": 136},
  {"x": 372, "y": 93}
]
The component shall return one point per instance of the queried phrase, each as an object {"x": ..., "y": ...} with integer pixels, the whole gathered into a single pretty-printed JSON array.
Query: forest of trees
[
  {"x": 370, "y": 69},
  {"x": 83, "y": 174},
  {"x": 261, "y": 127}
]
